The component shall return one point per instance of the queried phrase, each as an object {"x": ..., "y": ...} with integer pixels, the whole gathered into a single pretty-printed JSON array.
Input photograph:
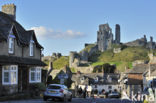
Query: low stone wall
[
  {"x": 84, "y": 69},
  {"x": 8, "y": 89}
]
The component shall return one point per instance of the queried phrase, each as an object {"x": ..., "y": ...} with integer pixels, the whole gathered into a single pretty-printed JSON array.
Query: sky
[{"x": 66, "y": 25}]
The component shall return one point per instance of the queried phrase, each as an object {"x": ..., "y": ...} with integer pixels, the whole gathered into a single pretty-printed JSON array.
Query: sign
[{"x": 62, "y": 76}]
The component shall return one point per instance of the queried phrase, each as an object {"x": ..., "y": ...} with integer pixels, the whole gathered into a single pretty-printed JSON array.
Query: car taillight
[{"x": 61, "y": 90}]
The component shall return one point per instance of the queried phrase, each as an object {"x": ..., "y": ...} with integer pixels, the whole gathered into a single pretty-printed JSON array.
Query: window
[
  {"x": 35, "y": 75},
  {"x": 109, "y": 87},
  {"x": 96, "y": 79},
  {"x": 11, "y": 44},
  {"x": 9, "y": 74},
  {"x": 31, "y": 48}
]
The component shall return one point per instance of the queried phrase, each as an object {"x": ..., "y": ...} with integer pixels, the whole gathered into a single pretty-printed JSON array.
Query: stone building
[
  {"x": 20, "y": 55},
  {"x": 105, "y": 37}
]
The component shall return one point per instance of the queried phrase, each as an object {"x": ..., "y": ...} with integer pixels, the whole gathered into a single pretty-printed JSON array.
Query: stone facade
[
  {"x": 18, "y": 62},
  {"x": 117, "y": 34},
  {"x": 117, "y": 50},
  {"x": 105, "y": 37},
  {"x": 20, "y": 51}
]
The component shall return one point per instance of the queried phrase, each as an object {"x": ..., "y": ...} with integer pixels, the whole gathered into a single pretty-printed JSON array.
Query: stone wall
[
  {"x": 105, "y": 37},
  {"x": 84, "y": 69},
  {"x": 6, "y": 89},
  {"x": 117, "y": 34}
]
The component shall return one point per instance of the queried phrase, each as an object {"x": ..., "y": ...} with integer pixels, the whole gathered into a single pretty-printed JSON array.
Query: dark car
[{"x": 114, "y": 95}]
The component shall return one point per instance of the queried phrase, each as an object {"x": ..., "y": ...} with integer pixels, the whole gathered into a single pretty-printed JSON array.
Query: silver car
[{"x": 57, "y": 91}]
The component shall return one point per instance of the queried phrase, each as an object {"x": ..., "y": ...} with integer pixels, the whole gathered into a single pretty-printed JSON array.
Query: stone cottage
[
  {"x": 97, "y": 81},
  {"x": 20, "y": 54}
]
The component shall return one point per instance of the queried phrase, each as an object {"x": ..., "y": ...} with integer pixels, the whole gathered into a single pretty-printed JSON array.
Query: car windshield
[
  {"x": 54, "y": 87},
  {"x": 114, "y": 92}
]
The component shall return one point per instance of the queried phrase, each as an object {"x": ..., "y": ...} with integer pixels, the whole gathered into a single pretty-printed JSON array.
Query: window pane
[
  {"x": 38, "y": 76},
  {"x": 13, "y": 77},
  {"x": 6, "y": 77},
  {"x": 31, "y": 49},
  {"x": 11, "y": 45},
  {"x": 5, "y": 68},
  {"x": 32, "y": 76}
]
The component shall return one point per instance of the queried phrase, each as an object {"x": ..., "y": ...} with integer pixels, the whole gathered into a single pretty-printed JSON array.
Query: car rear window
[{"x": 53, "y": 87}]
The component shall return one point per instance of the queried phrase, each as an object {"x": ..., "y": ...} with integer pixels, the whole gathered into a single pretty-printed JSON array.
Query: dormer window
[
  {"x": 31, "y": 48},
  {"x": 11, "y": 44}
]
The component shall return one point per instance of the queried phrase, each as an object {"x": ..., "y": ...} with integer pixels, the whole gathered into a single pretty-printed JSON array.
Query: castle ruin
[
  {"x": 105, "y": 37},
  {"x": 143, "y": 43}
]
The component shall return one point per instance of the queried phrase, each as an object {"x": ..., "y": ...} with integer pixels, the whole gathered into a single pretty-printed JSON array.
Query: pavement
[{"x": 74, "y": 100}]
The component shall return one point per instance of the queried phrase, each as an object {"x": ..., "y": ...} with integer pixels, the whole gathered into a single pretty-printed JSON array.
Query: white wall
[{"x": 105, "y": 87}]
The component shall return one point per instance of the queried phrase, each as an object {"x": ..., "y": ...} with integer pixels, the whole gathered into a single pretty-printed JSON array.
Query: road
[{"x": 75, "y": 100}]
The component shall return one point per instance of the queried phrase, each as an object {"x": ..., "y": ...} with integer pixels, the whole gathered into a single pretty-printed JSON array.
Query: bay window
[
  {"x": 9, "y": 74},
  {"x": 35, "y": 75}
]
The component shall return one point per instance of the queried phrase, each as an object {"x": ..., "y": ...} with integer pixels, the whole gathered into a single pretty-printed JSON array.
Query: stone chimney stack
[
  {"x": 117, "y": 34},
  {"x": 10, "y": 9}
]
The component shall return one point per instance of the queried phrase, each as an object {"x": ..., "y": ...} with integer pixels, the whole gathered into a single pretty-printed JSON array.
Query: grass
[
  {"x": 61, "y": 62},
  {"x": 73, "y": 70},
  {"x": 88, "y": 48},
  {"x": 122, "y": 59}
]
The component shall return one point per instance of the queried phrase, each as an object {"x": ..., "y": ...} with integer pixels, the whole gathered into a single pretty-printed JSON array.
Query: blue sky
[{"x": 66, "y": 25}]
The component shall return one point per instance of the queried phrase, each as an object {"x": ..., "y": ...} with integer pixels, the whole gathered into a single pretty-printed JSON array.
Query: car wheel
[
  {"x": 70, "y": 99},
  {"x": 45, "y": 98},
  {"x": 63, "y": 99}
]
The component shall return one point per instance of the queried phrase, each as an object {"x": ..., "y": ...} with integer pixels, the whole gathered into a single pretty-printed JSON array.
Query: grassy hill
[
  {"x": 60, "y": 62},
  {"x": 122, "y": 59}
]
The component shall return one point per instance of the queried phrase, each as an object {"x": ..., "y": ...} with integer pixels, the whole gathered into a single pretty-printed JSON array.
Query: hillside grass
[
  {"x": 61, "y": 62},
  {"x": 122, "y": 59},
  {"x": 88, "y": 48}
]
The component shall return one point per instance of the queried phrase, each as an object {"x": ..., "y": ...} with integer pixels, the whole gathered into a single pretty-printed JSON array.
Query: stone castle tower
[
  {"x": 117, "y": 34},
  {"x": 10, "y": 9},
  {"x": 105, "y": 37}
]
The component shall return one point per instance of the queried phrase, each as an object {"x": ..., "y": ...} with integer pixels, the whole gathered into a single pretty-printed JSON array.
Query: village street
[{"x": 75, "y": 100}]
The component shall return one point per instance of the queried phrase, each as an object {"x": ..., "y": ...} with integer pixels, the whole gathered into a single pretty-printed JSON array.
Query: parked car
[
  {"x": 114, "y": 95},
  {"x": 57, "y": 91}
]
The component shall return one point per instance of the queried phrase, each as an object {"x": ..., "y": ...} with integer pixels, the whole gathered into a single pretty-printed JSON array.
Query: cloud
[{"x": 43, "y": 32}]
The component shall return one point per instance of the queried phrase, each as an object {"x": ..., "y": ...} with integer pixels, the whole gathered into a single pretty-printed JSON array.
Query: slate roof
[
  {"x": 89, "y": 78},
  {"x": 23, "y": 36},
  {"x": 139, "y": 69},
  {"x": 142, "y": 68},
  {"x": 20, "y": 61}
]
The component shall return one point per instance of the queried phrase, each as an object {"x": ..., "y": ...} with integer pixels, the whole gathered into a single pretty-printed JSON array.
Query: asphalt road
[{"x": 75, "y": 100}]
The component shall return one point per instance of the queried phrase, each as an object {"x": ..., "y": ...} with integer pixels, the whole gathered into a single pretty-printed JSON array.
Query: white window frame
[
  {"x": 11, "y": 43},
  {"x": 37, "y": 75},
  {"x": 10, "y": 69},
  {"x": 31, "y": 48}
]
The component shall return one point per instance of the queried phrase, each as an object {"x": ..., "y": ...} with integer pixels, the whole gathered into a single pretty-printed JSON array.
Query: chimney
[{"x": 10, "y": 9}]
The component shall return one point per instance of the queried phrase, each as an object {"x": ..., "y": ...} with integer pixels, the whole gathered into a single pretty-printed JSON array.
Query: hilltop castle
[{"x": 105, "y": 37}]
